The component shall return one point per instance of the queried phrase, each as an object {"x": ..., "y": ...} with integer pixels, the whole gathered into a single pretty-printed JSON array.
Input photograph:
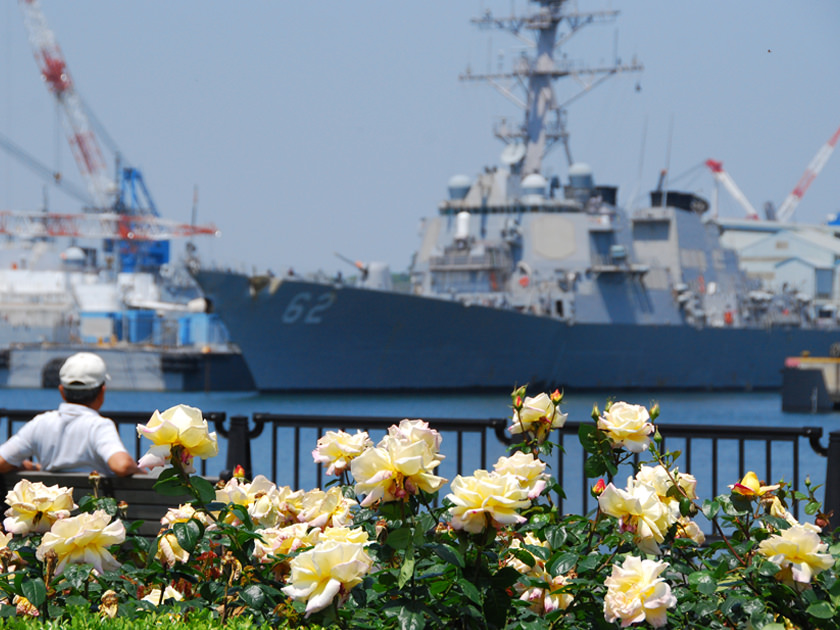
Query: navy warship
[{"x": 523, "y": 277}]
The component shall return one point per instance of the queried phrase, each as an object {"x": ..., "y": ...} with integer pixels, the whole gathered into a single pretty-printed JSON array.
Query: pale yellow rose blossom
[
  {"x": 640, "y": 511},
  {"x": 417, "y": 431},
  {"x": 153, "y": 596},
  {"x": 267, "y": 504},
  {"x": 282, "y": 541},
  {"x": 337, "y": 449},
  {"x": 529, "y": 470},
  {"x": 327, "y": 570},
  {"x": 686, "y": 528},
  {"x": 800, "y": 553},
  {"x": 484, "y": 499},
  {"x": 537, "y": 417},
  {"x": 750, "y": 486},
  {"x": 34, "y": 507},
  {"x": 542, "y": 599},
  {"x": 183, "y": 513},
  {"x": 627, "y": 426},
  {"x": 636, "y": 593},
  {"x": 345, "y": 534},
  {"x": 182, "y": 426},
  {"x": 170, "y": 551},
  {"x": 83, "y": 539},
  {"x": 326, "y": 509},
  {"x": 396, "y": 468}
]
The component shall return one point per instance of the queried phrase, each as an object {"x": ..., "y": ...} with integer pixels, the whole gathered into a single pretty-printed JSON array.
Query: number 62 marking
[{"x": 301, "y": 305}]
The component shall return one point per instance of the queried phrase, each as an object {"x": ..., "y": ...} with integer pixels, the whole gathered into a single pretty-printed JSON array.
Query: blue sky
[{"x": 319, "y": 127}]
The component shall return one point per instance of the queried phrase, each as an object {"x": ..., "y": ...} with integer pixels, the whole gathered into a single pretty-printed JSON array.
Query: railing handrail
[{"x": 242, "y": 429}]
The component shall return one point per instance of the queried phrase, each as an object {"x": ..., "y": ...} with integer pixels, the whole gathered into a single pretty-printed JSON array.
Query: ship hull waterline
[{"x": 303, "y": 336}]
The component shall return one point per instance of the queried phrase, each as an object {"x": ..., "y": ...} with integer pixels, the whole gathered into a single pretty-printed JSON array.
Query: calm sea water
[{"x": 756, "y": 409}]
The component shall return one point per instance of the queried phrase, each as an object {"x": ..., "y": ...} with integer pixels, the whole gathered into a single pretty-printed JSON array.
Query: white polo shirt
[{"x": 74, "y": 438}]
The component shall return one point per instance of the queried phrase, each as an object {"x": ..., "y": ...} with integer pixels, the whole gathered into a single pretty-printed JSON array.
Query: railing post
[
  {"x": 239, "y": 445},
  {"x": 832, "y": 479}
]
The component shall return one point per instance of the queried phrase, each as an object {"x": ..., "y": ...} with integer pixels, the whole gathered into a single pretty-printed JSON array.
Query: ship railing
[{"x": 717, "y": 455}]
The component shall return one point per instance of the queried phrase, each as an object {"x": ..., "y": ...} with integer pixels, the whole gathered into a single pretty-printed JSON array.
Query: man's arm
[
  {"x": 123, "y": 465},
  {"x": 26, "y": 465}
]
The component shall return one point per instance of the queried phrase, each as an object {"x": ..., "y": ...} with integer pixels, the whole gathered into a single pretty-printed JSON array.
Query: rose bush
[{"x": 390, "y": 545}]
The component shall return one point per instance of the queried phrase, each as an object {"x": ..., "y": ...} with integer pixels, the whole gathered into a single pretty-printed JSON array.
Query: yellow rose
[
  {"x": 184, "y": 513},
  {"x": 395, "y": 469},
  {"x": 799, "y": 551},
  {"x": 83, "y": 539},
  {"x": 177, "y": 426},
  {"x": 344, "y": 534},
  {"x": 326, "y": 509},
  {"x": 327, "y": 570},
  {"x": 268, "y": 505},
  {"x": 750, "y": 486},
  {"x": 537, "y": 417},
  {"x": 486, "y": 496},
  {"x": 154, "y": 596},
  {"x": 34, "y": 507},
  {"x": 627, "y": 426},
  {"x": 529, "y": 470},
  {"x": 337, "y": 449},
  {"x": 636, "y": 593},
  {"x": 417, "y": 431},
  {"x": 170, "y": 551},
  {"x": 639, "y": 510},
  {"x": 282, "y": 541}
]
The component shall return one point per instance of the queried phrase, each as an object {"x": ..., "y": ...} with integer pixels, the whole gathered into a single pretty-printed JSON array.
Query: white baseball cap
[{"x": 83, "y": 370}]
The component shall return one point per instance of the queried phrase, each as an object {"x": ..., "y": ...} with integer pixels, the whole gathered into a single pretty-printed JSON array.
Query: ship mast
[{"x": 545, "y": 116}]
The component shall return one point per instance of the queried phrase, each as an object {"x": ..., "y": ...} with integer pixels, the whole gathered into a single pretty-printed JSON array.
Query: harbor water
[{"x": 751, "y": 409}]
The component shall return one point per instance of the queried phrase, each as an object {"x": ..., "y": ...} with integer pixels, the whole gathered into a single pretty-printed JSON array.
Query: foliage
[{"x": 491, "y": 550}]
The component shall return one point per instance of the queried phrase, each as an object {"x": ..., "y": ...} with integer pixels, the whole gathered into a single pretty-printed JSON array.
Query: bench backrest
[{"x": 144, "y": 503}]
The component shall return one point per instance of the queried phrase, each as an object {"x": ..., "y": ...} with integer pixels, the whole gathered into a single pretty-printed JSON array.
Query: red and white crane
[
  {"x": 723, "y": 177},
  {"x": 101, "y": 186},
  {"x": 788, "y": 206}
]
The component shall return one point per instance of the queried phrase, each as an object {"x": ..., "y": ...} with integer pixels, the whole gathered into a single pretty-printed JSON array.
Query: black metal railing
[{"x": 716, "y": 455}]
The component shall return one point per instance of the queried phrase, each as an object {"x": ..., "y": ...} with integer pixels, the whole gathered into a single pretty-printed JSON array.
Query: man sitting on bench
[{"x": 73, "y": 438}]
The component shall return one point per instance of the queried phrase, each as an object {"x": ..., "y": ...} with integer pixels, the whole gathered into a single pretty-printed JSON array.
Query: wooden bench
[{"x": 144, "y": 503}]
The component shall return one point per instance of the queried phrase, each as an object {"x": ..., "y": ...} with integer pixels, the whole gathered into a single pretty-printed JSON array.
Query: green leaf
[
  {"x": 206, "y": 490},
  {"x": 410, "y": 619},
  {"x": 703, "y": 582},
  {"x": 171, "y": 487},
  {"x": 35, "y": 591},
  {"x": 469, "y": 589},
  {"x": 710, "y": 509},
  {"x": 563, "y": 563},
  {"x": 589, "y": 438},
  {"x": 450, "y": 555},
  {"x": 187, "y": 534},
  {"x": 253, "y": 596},
  {"x": 399, "y": 538},
  {"x": 812, "y": 508},
  {"x": 556, "y": 536},
  {"x": 595, "y": 466},
  {"x": 406, "y": 570},
  {"x": 821, "y": 610}
]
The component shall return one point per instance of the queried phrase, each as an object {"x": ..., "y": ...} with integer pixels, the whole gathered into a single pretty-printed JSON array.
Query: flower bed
[{"x": 389, "y": 543}]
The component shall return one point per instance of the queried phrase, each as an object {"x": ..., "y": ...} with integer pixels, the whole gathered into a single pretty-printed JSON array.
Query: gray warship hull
[{"x": 304, "y": 336}]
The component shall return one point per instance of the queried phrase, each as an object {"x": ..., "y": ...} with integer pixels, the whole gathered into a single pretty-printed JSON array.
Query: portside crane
[
  {"x": 56, "y": 76},
  {"x": 722, "y": 177},
  {"x": 123, "y": 213},
  {"x": 788, "y": 206}
]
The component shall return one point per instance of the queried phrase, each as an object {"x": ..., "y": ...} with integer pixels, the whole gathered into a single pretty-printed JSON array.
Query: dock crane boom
[
  {"x": 83, "y": 141},
  {"x": 723, "y": 177},
  {"x": 788, "y": 206}
]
